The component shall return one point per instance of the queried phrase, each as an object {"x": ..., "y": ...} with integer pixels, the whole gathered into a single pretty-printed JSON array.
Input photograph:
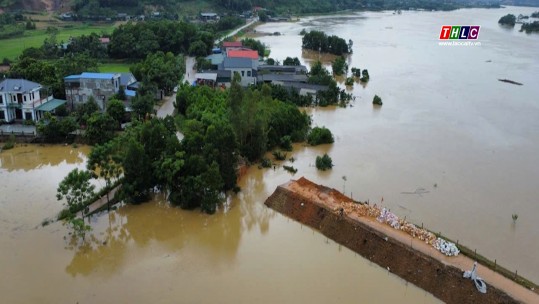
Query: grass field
[
  {"x": 118, "y": 67},
  {"x": 13, "y": 47}
]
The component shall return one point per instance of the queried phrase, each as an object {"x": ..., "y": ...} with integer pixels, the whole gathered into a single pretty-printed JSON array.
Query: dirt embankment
[{"x": 300, "y": 202}]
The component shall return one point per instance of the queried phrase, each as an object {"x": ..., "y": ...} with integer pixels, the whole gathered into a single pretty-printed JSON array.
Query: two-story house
[
  {"x": 246, "y": 67},
  {"x": 22, "y": 99},
  {"x": 100, "y": 86}
]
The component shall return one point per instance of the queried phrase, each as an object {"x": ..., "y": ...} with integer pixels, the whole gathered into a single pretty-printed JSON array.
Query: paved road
[{"x": 252, "y": 21}]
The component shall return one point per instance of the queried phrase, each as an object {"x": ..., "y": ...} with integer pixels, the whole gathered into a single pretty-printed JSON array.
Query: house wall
[
  {"x": 27, "y": 101},
  {"x": 246, "y": 80},
  {"x": 100, "y": 89}
]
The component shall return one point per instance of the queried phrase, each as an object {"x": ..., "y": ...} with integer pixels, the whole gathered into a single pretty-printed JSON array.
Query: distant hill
[
  {"x": 110, "y": 8},
  {"x": 521, "y": 2}
]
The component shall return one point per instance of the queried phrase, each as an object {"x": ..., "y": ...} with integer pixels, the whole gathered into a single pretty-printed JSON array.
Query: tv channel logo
[{"x": 460, "y": 32}]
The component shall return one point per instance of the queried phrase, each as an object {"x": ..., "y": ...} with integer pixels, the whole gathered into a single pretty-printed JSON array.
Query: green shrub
[
  {"x": 279, "y": 155},
  {"x": 319, "y": 136},
  {"x": 290, "y": 169},
  {"x": 377, "y": 100},
  {"x": 265, "y": 163},
  {"x": 286, "y": 143},
  {"x": 10, "y": 143},
  {"x": 324, "y": 162},
  {"x": 349, "y": 81}
]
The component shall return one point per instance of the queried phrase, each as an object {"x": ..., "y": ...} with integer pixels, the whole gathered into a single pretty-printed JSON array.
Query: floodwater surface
[
  {"x": 155, "y": 253},
  {"x": 449, "y": 131}
]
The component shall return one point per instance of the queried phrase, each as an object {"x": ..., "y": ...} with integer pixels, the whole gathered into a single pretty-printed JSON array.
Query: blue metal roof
[
  {"x": 130, "y": 93},
  {"x": 88, "y": 75},
  {"x": 97, "y": 75}
]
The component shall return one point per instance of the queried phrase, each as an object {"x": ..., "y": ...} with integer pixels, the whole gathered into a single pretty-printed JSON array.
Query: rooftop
[
  {"x": 51, "y": 105},
  {"x": 243, "y": 54},
  {"x": 18, "y": 85},
  {"x": 232, "y": 44},
  {"x": 239, "y": 63},
  {"x": 88, "y": 75}
]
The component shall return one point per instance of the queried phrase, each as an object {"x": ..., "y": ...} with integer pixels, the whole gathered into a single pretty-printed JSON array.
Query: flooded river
[
  {"x": 448, "y": 127},
  {"x": 154, "y": 253},
  {"x": 448, "y": 130}
]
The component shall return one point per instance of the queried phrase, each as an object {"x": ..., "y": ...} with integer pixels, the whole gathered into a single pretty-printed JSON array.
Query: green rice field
[
  {"x": 13, "y": 47},
  {"x": 118, "y": 67}
]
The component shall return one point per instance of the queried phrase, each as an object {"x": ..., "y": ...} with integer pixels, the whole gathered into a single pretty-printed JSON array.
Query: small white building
[{"x": 22, "y": 99}]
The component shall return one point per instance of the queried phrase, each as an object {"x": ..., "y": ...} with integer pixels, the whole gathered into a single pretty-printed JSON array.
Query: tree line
[{"x": 319, "y": 41}]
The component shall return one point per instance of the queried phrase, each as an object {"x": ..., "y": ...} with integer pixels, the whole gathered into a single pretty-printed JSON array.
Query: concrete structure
[
  {"x": 246, "y": 67},
  {"x": 21, "y": 99},
  {"x": 100, "y": 86}
]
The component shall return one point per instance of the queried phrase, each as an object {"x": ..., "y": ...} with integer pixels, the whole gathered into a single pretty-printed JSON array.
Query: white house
[
  {"x": 22, "y": 99},
  {"x": 246, "y": 67}
]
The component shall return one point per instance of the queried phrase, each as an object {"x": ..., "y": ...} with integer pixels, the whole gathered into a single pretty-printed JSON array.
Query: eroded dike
[{"x": 320, "y": 207}]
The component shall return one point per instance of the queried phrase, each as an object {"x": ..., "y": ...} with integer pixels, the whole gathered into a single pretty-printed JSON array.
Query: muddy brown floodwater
[
  {"x": 446, "y": 121},
  {"x": 154, "y": 253},
  {"x": 449, "y": 131}
]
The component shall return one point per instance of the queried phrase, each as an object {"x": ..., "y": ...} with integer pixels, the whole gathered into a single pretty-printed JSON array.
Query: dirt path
[{"x": 410, "y": 258}]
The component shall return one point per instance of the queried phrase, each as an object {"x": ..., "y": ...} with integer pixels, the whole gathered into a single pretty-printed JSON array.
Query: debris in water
[{"x": 510, "y": 81}]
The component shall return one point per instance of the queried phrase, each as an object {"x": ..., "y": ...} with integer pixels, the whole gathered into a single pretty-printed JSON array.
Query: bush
[
  {"x": 349, "y": 81},
  {"x": 10, "y": 143},
  {"x": 290, "y": 169},
  {"x": 319, "y": 136},
  {"x": 279, "y": 155},
  {"x": 28, "y": 122},
  {"x": 356, "y": 72},
  {"x": 324, "y": 162},
  {"x": 286, "y": 143},
  {"x": 265, "y": 163},
  {"x": 377, "y": 100},
  {"x": 366, "y": 76}
]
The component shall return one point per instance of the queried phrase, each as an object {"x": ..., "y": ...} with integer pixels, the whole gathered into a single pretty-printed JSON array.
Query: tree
[
  {"x": 104, "y": 162},
  {"x": 76, "y": 189},
  {"x": 339, "y": 66},
  {"x": 142, "y": 105},
  {"x": 116, "y": 110},
  {"x": 377, "y": 100},
  {"x": 324, "y": 162},
  {"x": 136, "y": 186},
  {"x": 255, "y": 45},
  {"x": 319, "y": 136},
  {"x": 198, "y": 49},
  {"x": 291, "y": 61},
  {"x": 54, "y": 129},
  {"x": 100, "y": 128},
  {"x": 85, "y": 110},
  {"x": 508, "y": 19},
  {"x": 160, "y": 69}
]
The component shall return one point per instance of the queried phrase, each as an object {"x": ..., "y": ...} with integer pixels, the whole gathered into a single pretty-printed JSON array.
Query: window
[
  {"x": 28, "y": 115},
  {"x": 24, "y": 97},
  {"x": 249, "y": 73},
  {"x": 242, "y": 73},
  {"x": 1, "y": 99},
  {"x": 2, "y": 115}
]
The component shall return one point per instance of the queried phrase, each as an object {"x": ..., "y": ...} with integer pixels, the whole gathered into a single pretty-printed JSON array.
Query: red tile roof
[
  {"x": 232, "y": 44},
  {"x": 243, "y": 54}
]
